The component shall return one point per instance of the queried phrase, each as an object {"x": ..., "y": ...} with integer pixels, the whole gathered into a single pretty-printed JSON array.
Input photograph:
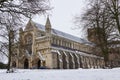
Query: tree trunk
[
  {"x": 10, "y": 52},
  {"x": 9, "y": 60},
  {"x": 106, "y": 59}
]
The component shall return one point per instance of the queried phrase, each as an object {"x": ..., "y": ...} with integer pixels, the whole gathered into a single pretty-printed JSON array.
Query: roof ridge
[
  {"x": 63, "y": 34},
  {"x": 68, "y": 34}
]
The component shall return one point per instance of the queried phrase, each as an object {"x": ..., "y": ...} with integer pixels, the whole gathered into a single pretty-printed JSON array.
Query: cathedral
[{"x": 42, "y": 46}]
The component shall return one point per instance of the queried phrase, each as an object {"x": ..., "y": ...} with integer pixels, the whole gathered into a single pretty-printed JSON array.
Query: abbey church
[{"x": 44, "y": 46}]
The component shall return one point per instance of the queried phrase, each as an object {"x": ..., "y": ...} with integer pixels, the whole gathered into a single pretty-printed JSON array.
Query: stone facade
[{"x": 44, "y": 47}]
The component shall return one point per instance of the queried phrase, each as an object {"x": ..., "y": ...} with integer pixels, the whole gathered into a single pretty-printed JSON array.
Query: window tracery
[
  {"x": 29, "y": 39},
  {"x": 28, "y": 43}
]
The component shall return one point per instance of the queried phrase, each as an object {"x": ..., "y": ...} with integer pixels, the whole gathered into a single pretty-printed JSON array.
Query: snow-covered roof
[
  {"x": 56, "y": 49},
  {"x": 40, "y": 26},
  {"x": 67, "y": 36},
  {"x": 64, "y": 35}
]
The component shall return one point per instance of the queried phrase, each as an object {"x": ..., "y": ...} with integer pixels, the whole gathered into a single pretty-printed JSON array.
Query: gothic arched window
[
  {"x": 28, "y": 39},
  {"x": 28, "y": 42}
]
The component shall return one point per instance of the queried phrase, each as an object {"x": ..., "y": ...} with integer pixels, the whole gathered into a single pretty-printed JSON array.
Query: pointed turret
[
  {"x": 48, "y": 25},
  {"x": 30, "y": 25}
]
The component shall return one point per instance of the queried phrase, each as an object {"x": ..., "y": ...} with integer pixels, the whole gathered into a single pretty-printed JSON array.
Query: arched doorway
[
  {"x": 26, "y": 64},
  {"x": 39, "y": 64}
]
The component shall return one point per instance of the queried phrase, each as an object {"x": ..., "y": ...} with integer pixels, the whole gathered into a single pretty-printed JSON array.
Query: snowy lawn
[{"x": 74, "y": 74}]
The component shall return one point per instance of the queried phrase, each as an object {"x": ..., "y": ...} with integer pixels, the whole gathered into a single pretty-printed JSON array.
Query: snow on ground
[{"x": 73, "y": 74}]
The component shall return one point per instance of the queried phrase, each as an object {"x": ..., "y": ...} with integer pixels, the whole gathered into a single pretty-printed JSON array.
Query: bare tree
[
  {"x": 114, "y": 7},
  {"x": 98, "y": 19},
  {"x": 7, "y": 36},
  {"x": 12, "y": 14}
]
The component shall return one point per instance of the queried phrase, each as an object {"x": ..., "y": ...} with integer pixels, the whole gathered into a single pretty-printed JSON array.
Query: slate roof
[{"x": 64, "y": 35}]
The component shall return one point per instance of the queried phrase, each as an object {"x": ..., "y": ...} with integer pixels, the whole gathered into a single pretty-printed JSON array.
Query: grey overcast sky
[{"x": 62, "y": 15}]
